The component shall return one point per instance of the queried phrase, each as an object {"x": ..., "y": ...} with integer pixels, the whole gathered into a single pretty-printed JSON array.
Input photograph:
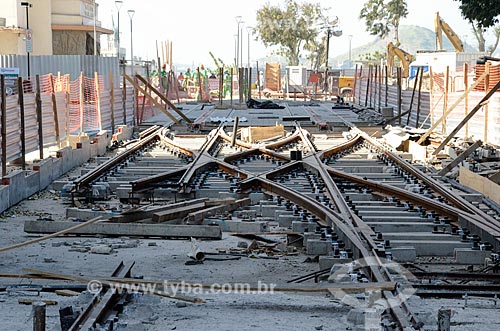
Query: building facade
[{"x": 56, "y": 27}]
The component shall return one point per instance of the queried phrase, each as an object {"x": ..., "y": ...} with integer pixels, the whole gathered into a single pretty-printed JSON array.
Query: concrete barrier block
[
  {"x": 44, "y": 168},
  {"x": 124, "y": 132},
  {"x": 86, "y": 214},
  {"x": 16, "y": 182},
  {"x": 404, "y": 254},
  {"x": 270, "y": 210},
  {"x": 469, "y": 256},
  {"x": 57, "y": 168},
  {"x": 101, "y": 141},
  {"x": 239, "y": 227},
  {"x": 4, "y": 198},
  {"x": 299, "y": 226},
  {"x": 318, "y": 247},
  {"x": 287, "y": 220},
  {"x": 327, "y": 262},
  {"x": 65, "y": 154},
  {"x": 257, "y": 197},
  {"x": 245, "y": 214},
  {"x": 311, "y": 235},
  {"x": 32, "y": 180}
]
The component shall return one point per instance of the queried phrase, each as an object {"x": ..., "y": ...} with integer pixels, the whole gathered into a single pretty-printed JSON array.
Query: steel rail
[
  {"x": 375, "y": 269},
  {"x": 202, "y": 159},
  {"x": 400, "y": 312},
  {"x": 150, "y": 181},
  {"x": 174, "y": 146},
  {"x": 254, "y": 151},
  {"x": 84, "y": 181},
  {"x": 338, "y": 148},
  {"x": 476, "y": 220},
  {"x": 95, "y": 311}
]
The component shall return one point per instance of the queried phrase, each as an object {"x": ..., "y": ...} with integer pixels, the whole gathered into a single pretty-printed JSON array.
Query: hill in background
[{"x": 413, "y": 38}]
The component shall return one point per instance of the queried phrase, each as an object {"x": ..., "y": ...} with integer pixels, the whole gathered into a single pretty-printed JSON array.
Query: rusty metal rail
[
  {"x": 102, "y": 302},
  {"x": 84, "y": 182}
]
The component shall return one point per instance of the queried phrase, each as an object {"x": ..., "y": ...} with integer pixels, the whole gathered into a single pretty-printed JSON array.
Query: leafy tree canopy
[
  {"x": 290, "y": 28},
  {"x": 381, "y": 17},
  {"x": 482, "y": 12}
]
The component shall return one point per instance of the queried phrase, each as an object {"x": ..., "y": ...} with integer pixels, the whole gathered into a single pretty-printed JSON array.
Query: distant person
[
  {"x": 180, "y": 79},
  {"x": 188, "y": 76},
  {"x": 261, "y": 80}
]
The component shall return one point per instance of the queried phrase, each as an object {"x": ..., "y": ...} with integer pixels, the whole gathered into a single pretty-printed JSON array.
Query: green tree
[
  {"x": 484, "y": 12},
  {"x": 289, "y": 28},
  {"x": 381, "y": 17},
  {"x": 373, "y": 58}
]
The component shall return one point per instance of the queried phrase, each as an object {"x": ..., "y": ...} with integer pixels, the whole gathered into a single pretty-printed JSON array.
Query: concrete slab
[
  {"x": 469, "y": 256},
  {"x": 57, "y": 168},
  {"x": 287, "y": 220},
  {"x": 4, "y": 198},
  {"x": 270, "y": 211},
  {"x": 300, "y": 226},
  {"x": 431, "y": 248},
  {"x": 44, "y": 167},
  {"x": 238, "y": 227},
  {"x": 32, "y": 180},
  {"x": 318, "y": 247},
  {"x": 327, "y": 262},
  {"x": 402, "y": 226},
  {"x": 127, "y": 229},
  {"x": 16, "y": 181},
  {"x": 404, "y": 254},
  {"x": 86, "y": 214}
]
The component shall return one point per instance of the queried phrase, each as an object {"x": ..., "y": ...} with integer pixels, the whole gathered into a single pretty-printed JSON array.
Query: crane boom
[
  {"x": 440, "y": 27},
  {"x": 405, "y": 57}
]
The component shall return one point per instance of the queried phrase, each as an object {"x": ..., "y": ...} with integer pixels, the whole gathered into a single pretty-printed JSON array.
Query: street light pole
[
  {"x": 350, "y": 53},
  {"x": 241, "y": 44},
  {"x": 29, "y": 44},
  {"x": 236, "y": 50},
  {"x": 238, "y": 21},
  {"x": 118, "y": 5},
  {"x": 249, "y": 29},
  {"x": 327, "y": 47},
  {"x": 95, "y": 32},
  {"x": 131, "y": 13}
]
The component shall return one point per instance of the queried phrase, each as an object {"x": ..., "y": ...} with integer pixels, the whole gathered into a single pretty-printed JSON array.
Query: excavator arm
[
  {"x": 405, "y": 58},
  {"x": 440, "y": 27}
]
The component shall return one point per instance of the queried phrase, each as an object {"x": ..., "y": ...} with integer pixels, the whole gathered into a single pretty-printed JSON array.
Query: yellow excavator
[
  {"x": 440, "y": 27},
  {"x": 405, "y": 58}
]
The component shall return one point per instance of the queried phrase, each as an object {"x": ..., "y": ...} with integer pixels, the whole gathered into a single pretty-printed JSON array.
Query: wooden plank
[
  {"x": 67, "y": 293},
  {"x": 31, "y": 301},
  {"x": 450, "y": 109},
  {"x": 161, "y": 96},
  {"x": 54, "y": 109},
  {"x": 53, "y": 235},
  {"x": 108, "y": 282},
  {"x": 361, "y": 287},
  {"x": 479, "y": 183},
  {"x": 148, "y": 211},
  {"x": 176, "y": 213},
  {"x": 460, "y": 158},
  {"x": 495, "y": 178},
  {"x": 200, "y": 215},
  {"x": 153, "y": 100},
  {"x": 481, "y": 103},
  {"x": 126, "y": 229}
]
